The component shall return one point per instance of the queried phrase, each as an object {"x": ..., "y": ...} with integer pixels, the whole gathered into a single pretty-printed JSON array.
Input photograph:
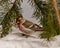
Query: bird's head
[{"x": 20, "y": 20}]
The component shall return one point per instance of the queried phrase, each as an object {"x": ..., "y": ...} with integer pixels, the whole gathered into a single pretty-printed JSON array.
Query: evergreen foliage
[
  {"x": 47, "y": 17},
  {"x": 11, "y": 15}
]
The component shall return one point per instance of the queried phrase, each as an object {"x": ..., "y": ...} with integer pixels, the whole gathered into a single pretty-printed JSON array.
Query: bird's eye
[{"x": 18, "y": 21}]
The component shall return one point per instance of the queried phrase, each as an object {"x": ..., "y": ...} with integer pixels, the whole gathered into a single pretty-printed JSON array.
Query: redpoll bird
[{"x": 27, "y": 24}]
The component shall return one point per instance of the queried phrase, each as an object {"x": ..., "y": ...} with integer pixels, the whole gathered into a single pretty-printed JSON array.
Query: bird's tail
[{"x": 36, "y": 27}]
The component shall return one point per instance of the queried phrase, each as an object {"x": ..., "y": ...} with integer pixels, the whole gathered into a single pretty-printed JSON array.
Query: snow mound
[{"x": 15, "y": 40}]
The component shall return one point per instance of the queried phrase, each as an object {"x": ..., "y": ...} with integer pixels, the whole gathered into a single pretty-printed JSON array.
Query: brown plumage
[{"x": 28, "y": 24}]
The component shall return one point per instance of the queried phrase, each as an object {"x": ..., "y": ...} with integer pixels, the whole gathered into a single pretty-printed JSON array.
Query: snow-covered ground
[{"x": 15, "y": 40}]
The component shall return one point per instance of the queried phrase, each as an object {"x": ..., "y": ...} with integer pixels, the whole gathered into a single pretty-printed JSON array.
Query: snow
[{"x": 16, "y": 40}]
